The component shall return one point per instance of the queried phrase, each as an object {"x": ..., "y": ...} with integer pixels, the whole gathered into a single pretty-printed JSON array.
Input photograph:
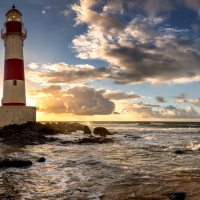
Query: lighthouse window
[{"x": 14, "y": 82}]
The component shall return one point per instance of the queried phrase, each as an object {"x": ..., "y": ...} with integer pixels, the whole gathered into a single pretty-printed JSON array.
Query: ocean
[{"x": 147, "y": 161}]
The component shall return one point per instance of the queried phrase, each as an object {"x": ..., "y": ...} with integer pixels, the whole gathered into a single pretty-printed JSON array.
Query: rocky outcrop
[
  {"x": 87, "y": 130},
  {"x": 30, "y": 133},
  {"x": 101, "y": 131},
  {"x": 6, "y": 163},
  {"x": 33, "y": 133}
]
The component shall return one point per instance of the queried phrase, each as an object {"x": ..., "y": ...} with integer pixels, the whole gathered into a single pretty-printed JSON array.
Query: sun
[{"x": 31, "y": 102}]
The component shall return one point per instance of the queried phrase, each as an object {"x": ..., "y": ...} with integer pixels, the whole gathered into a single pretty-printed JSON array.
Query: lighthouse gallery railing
[{"x": 23, "y": 31}]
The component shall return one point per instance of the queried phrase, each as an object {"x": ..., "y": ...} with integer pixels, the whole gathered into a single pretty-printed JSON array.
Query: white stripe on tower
[{"x": 14, "y": 81}]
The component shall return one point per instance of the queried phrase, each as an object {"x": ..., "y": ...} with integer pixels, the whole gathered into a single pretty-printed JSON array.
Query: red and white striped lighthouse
[
  {"x": 14, "y": 109},
  {"x": 14, "y": 81}
]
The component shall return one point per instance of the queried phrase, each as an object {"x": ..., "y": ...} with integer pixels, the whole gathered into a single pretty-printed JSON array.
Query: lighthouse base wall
[{"x": 16, "y": 114}]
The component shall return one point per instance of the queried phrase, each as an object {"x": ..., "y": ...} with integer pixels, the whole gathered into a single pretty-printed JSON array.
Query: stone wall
[{"x": 16, "y": 114}]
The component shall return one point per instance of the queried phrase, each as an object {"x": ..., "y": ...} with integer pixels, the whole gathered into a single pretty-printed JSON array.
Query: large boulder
[
  {"x": 87, "y": 130},
  {"x": 101, "y": 131}
]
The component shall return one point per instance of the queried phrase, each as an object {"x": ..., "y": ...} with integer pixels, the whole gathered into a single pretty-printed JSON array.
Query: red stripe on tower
[
  {"x": 10, "y": 71},
  {"x": 14, "y": 104},
  {"x": 14, "y": 81}
]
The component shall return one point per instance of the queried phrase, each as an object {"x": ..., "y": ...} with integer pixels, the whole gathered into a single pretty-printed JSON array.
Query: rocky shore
[{"x": 35, "y": 133}]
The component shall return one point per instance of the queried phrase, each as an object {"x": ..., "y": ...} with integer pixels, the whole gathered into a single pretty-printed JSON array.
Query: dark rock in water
[
  {"x": 132, "y": 137},
  {"x": 99, "y": 140},
  {"x": 87, "y": 130},
  {"x": 101, "y": 131},
  {"x": 183, "y": 151},
  {"x": 7, "y": 196},
  {"x": 179, "y": 152},
  {"x": 42, "y": 159},
  {"x": 90, "y": 140},
  {"x": 6, "y": 163},
  {"x": 177, "y": 196}
]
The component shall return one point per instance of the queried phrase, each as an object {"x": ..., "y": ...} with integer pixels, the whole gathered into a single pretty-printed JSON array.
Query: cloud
[
  {"x": 43, "y": 12},
  {"x": 143, "y": 110},
  {"x": 118, "y": 95},
  {"x": 154, "y": 7},
  {"x": 141, "y": 48},
  {"x": 160, "y": 99},
  {"x": 114, "y": 7},
  {"x": 47, "y": 8},
  {"x": 195, "y": 4},
  {"x": 181, "y": 98},
  {"x": 33, "y": 65},
  {"x": 61, "y": 73},
  {"x": 116, "y": 113},
  {"x": 76, "y": 101},
  {"x": 85, "y": 14},
  {"x": 195, "y": 102},
  {"x": 66, "y": 13},
  {"x": 195, "y": 27}
]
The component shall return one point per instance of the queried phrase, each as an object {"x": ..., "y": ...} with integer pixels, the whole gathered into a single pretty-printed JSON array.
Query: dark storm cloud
[
  {"x": 160, "y": 99},
  {"x": 141, "y": 67},
  {"x": 142, "y": 49}
]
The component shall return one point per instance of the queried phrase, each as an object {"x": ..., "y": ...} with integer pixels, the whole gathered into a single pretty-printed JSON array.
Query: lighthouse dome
[{"x": 14, "y": 10}]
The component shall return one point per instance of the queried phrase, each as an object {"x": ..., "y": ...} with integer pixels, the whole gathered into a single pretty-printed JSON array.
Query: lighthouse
[
  {"x": 13, "y": 104},
  {"x": 14, "y": 84}
]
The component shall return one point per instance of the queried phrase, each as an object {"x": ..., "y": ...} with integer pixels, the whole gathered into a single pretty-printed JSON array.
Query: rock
[
  {"x": 6, "y": 163},
  {"x": 22, "y": 139},
  {"x": 5, "y": 133},
  {"x": 73, "y": 127},
  {"x": 177, "y": 196},
  {"x": 179, "y": 152},
  {"x": 101, "y": 131},
  {"x": 93, "y": 140},
  {"x": 42, "y": 159},
  {"x": 182, "y": 151},
  {"x": 7, "y": 196},
  {"x": 33, "y": 133},
  {"x": 30, "y": 133},
  {"x": 87, "y": 130}
]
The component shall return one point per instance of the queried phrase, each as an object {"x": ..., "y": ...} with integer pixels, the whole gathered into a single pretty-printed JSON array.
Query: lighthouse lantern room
[{"x": 14, "y": 94}]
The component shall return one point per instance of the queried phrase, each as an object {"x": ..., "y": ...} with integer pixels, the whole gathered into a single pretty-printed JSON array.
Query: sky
[{"x": 110, "y": 60}]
